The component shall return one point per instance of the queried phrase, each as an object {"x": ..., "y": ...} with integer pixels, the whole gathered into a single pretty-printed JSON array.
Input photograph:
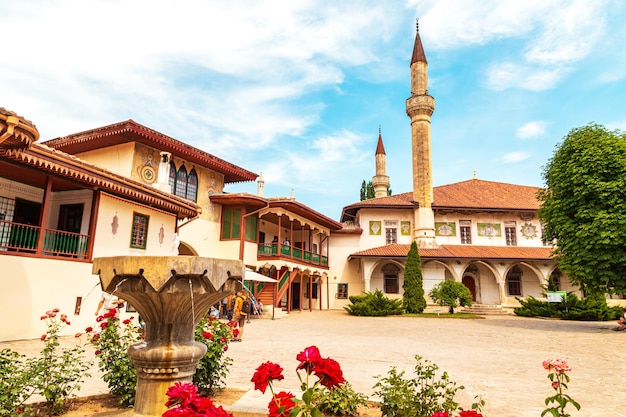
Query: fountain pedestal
[{"x": 171, "y": 294}]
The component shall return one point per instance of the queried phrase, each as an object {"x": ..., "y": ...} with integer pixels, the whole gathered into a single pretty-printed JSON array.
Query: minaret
[
  {"x": 419, "y": 107},
  {"x": 380, "y": 181}
]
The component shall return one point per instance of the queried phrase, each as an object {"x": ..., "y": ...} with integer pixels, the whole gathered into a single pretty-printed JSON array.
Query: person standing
[
  {"x": 239, "y": 316},
  {"x": 109, "y": 302}
]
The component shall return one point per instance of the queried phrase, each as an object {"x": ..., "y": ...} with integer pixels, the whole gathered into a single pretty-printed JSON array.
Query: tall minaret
[
  {"x": 260, "y": 185},
  {"x": 419, "y": 107},
  {"x": 380, "y": 181}
]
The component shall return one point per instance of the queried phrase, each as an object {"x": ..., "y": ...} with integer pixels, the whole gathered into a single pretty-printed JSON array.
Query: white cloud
[
  {"x": 501, "y": 76},
  {"x": 513, "y": 157},
  {"x": 531, "y": 130}
]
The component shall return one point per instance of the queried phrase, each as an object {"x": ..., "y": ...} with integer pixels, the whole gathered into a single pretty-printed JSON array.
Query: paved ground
[{"x": 497, "y": 357}]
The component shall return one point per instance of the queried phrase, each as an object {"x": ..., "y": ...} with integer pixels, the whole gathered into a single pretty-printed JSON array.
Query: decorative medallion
[
  {"x": 445, "y": 229},
  {"x": 148, "y": 174},
  {"x": 529, "y": 230}
]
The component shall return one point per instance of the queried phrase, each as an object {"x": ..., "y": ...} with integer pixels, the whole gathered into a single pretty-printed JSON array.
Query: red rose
[
  {"x": 127, "y": 321},
  {"x": 225, "y": 348},
  {"x": 78, "y": 334},
  {"x": 43, "y": 317},
  {"x": 104, "y": 324},
  {"x": 281, "y": 404},
  {"x": 470, "y": 413},
  {"x": 181, "y": 394},
  {"x": 308, "y": 358},
  {"x": 235, "y": 332},
  {"x": 89, "y": 329},
  {"x": 440, "y": 414},
  {"x": 222, "y": 340},
  {"x": 329, "y": 372},
  {"x": 265, "y": 374},
  {"x": 207, "y": 335},
  {"x": 43, "y": 337},
  {"x": 55, "y": 310},
  {"x": 97, "y": 352}
]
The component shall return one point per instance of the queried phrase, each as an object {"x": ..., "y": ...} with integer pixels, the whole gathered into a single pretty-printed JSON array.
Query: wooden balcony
[
  {"x": 17, "y": 238},
  {"x": 290, "y": 253}
]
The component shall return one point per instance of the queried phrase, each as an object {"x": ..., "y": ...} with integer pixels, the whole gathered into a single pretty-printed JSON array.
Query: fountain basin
[{"x": 171, "y": 294}]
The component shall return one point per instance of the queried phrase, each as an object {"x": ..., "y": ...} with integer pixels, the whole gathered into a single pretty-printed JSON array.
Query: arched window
[
  {"x": 390, "y": 277},
  {"x": 181, "y": 182},
  {"x": 514, "y": 281},
  {"x": 192, "y": 186},
  {"x": 172, "y": 179},
  {"x": 554, "y": 282}
]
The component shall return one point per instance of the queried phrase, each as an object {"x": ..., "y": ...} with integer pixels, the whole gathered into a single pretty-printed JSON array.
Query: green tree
[
  {"x": 413, "y": 297},
  {"x": 452, "y": 294},
  {"x": 584, "y": 208},
  {"x": 367, "y": 190}
]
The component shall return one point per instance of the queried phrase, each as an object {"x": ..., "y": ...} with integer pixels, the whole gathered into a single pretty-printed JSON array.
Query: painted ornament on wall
[
  {"x": 529, "y": 230},
  {"x": 405, "y": 228},
  {"x": 445, "y": 229},
  {"x": 489, "y": 230},
  {"x": 375, "y": 228},
  {"x": 146, "y": 171},
  {"x": 114, "y": 225}
]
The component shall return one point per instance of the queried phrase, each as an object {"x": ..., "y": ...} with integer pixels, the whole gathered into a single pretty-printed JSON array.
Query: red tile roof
[
  {"x": 472, "y": 194},
  {"x": 485, "y": 195},
  {"x": 131, "y": 131},
  {"x": 459, "y": 252}
]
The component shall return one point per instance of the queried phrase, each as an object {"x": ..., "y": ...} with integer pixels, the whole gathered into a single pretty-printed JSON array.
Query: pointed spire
[
  {"x": 418, "y": 49},
  {"x": 380, "y": 149}
]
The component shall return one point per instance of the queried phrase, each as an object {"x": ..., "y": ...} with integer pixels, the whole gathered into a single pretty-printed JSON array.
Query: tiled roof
[
  {"x": 458, "y": 252},
  {"x": 471, "y": 194},
  {"x": 484, "y": 195},
  {"x": 131, "y": 131}
]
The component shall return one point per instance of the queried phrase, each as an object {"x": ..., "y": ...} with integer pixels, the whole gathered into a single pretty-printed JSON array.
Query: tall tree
[
  {"x": 413, "y": 297},
  {"x": 367, "y": 190},
  {"x": 584, "y": 207}
]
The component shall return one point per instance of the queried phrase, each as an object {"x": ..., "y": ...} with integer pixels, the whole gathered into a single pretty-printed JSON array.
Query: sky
[{"x": 298, "y": 90}]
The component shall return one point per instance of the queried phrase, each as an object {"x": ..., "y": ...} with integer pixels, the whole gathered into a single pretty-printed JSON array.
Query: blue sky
[{"x": 298, "y": 89}]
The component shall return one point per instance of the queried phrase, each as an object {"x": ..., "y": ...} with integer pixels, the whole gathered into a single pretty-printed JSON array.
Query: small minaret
[
  {"x": 380, "y": 181},
  {"x": 419, "y": 107},
  {"x": 260, "y": 185}
]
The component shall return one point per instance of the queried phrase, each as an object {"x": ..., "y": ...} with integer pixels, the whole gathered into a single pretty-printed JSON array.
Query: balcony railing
[
  {"x": 291, "y": 252},
  {"x": 24, "y": 238}
]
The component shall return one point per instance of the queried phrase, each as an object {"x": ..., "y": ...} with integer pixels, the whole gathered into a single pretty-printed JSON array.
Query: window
[
  {"x": 391, "y": 280},
  {"x": 342, "y": 291},
  {"x": 172, "y": 179},
  {"x": 251, "y": 227},
  {"x": 510, "y": 233},
  {"x": 192, "y": 186},
  {"x": 514, "y": 281},
  {"x": 391, "y": 231},
  {"x": 466, "y": 232},
  {"x": 231, "y": 223},
  {"x": 183, "y": 184},
  {"x": 139, "y": 234}
]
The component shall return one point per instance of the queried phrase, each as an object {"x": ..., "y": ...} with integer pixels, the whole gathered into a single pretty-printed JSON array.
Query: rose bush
[
  {"x": 284, "y": 404},
  {"x": 187, "y": 402},
  {"x": 558, "y": 375}
]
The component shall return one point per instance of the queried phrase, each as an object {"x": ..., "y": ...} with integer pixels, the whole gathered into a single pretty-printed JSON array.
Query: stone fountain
[{"x": 171, "y": 294}]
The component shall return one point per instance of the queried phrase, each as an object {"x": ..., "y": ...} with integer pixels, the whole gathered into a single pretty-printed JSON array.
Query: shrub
[
  {"x": 373, "y": 304},
  {"x": 15, "y": 387},
  {"x": 452, "y": 294},
  {"x": 112, "y": 352},
  {"x": 591, "y": 308},
  {"x": 341, "y": 401},
  {"x": 58, "y": 372},
  {"x": 421, "y": 396},
  {"x": 213, "y": 367}
]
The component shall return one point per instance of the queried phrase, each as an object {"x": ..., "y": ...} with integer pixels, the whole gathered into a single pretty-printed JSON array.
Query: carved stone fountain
[{"x": 171, "y": 294}]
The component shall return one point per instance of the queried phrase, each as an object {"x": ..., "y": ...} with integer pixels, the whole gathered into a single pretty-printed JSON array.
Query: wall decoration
[
  {"x": 489, "y": 229},
  {"x": 529, "y": 230},
  {"x": 146, "y": 170},
  {"x": 405, "y": 228},
  {"x": 161, "y": 235},
  {"x": 375, "y": 227},
  {"x": 445, "y": 229},
  {"x": 114, "y": 225}
]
